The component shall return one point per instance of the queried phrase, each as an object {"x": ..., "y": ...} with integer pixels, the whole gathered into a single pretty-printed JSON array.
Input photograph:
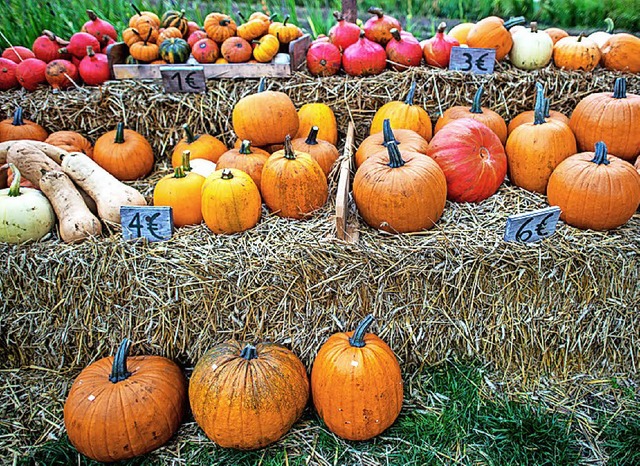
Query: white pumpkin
[
  {"x": 601, "y": 37},
  {"x": 532, "y": 49},
  {"x": 202, "y": 167},
  {"x": 25, "y": 213}
]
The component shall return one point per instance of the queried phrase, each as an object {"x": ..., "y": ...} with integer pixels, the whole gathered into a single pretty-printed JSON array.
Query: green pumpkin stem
[
  {"x": 476, "y": 106},
  {"x": 396, "y": 34},
  {"x": 273, "y": 16},
  {"x": 186, "y": 160},
  {"x": 387, "y": 133},
  {"x": 249, "y": 352},
  {"x": 119, "y": 134},
  {"x": 600, "y": 156},
  {"x": 395, "y": 157},
  {"x": 289, "y": 153},
  {"x": 580, "y": 37},
  {"x": 188, "y": 134},
  {"x": 412, "y": 92},
  {"x": 262, "y": 85},
  {"x": 610, "y": 25},
  {"x": 119, "y": 371},
  {"x": 245, "y": 147},
  {"x": 148, "y": 36},
  {"x": 224, "y": 22},
  {"x": 619, "y": 89},
  {"x": 547, "y": 110},
  {"x": 17, "y": 117},
  {"x": 357, "y": 339},
  {"x": 517, "y": 21},
  {"x": 179, "y": 172},
  {"x": 376, "y": 11},
  {"x": 312, "y": 139},
  {"x": 14, "y": 189}
]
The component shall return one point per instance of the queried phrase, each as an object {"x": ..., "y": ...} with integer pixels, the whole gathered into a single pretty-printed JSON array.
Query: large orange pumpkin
[
  {"x": 613, "y": 119},
  {"x": 246, "y": 396},
  {"x": 200, "y": 146},
  {"x": 622, "y": 53},
  {"x": 595, "y": 191},
  {"x": 322, "y": 152},
  {"x": 484, "y": 115},
  {"x": 356, "y": 384},
  {"x": 407, "y": 140},
  {"x": 121, "y": 407},
  {"x": 265, "y": 117},
  {"x": 249, "y": 159},
  {"x": 17, "y": 128},
  {"x": 293, "y": 183},
  {"x": 493, "y": 33},
  {"x": 402, "y": 192},
  {"x": 124, "y": 153}
]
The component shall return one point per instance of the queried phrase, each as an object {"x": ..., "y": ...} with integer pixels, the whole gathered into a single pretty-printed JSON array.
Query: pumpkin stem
[
  {"x": 538, "y": 111},
  {"x": 17, "y": 117},
  {"x": 286, "y": 19},
  {"x": 273, "y": 16},
  {"x": 227, "y": 175},
  {"x": 387, "y": 133},
  {"x": 357, "y": 339},
  {"x": 547, "y": 105},
  {"x": 580, "y": 37},
  {"x": 239, "y": 13},
  {"x": 412, "y": 91},
  {"x": 119, "y": 369},
  {"x": 395, "y": 158},
  {"x": 148, "y": 36},
  {"x": 14, "y": 189},
  {"x": 119, "y": 134},
  {"x": 518, "y": 20},
  {"x": 262, "y": 85},
  {"x": 92, "y": 16},
  {"x": 136, "y": 9},
  {"x": 188, "y": 134},
  {"x": 186, "y": 160},
  {"x": 533, "y": 26},
  {"x": 476, "y": 107},
  {"x": 441, "y": 27},
  {"x": 610, "y": 25},
  {"x": 376, "y": 11},
  {"x": 179, "y": 172},
  {"x": 396, "y": 34},
  {"x": 619, "y": 89},
  {"x": 312, "y": 139},
  {"x": 289, "y": 153},
  {"x": 245, "y": 147},
  {"x": 249, "y": 352},
  {"x": 224, "y": 22},
  {"x": 90, "y": 51},
  {"x": 338, "y": 16},
  {"x": 600, "y": 156}
]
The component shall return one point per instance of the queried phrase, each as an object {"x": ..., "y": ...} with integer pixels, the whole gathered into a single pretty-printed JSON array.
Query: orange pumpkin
[
  {"x": 613, "y": 119},
  {"x": 151, "y": 395},
  {"x": 200, "y": 146},
  {"x": 407, "y": 140},
  {"x": 595, "y": 191},
  {"x": 146, "y": 50},
  {"x": 253, "y": 28},
  {"x": 493, "y": 33},
  {"x": 131, "y": 36},
  {"x": 150, "y": 17},
  {"x": 322, "y": 152},
  {"x": 266, "y": 48},
  {"x": 168, "y": 33},
  {"x": 528, "y": 116},
  {"x": 484, "y": 115},
  {"x": 622, "y": 53},
  {"x": 576, "y": 53},
  {"x": 125, "y": 154},
  {"x": 356, "y": 384},
  {"x": 556, "y": 34},
  {"x": 236, "y": 50},
  {"x": 71, "y": 142},
  {"x": 320, "y": 115},
  {"x": 460, "y": 32},
  {"x": 285, "y": 32},
  {"x": 219, "y": 27},
  {"x": 246, "y": 158},
  {"x": 293, "y": 183},
  {"x": 17, "y": 128}
]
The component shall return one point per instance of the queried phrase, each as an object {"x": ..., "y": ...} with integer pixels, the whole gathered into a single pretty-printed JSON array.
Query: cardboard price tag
[
  {"x": 532, "y": 226},
  {"x": 183, "y": 79},
  {"x": 478, "y": 61},
  {"x": 152, "y": 223}
]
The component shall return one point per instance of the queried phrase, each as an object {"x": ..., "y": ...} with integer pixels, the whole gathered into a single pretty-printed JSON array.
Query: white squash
[
  {"x": 532, "y": 49},
  {"x": 202, "y": 167},
  {"x": 601, "y": 37},
  {"x": 25, "y": 213}
]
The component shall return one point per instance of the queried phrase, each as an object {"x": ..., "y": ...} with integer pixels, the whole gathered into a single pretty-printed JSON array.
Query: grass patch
[{"x": 620, "y": 438}]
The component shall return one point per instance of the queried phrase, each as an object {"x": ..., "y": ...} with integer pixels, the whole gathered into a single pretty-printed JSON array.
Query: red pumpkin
[
  {"x": 205, "y": 51},
  {"x": 99, "y": 28},
  {"x": 94, "y": 68},
  {"x": 17, "y": 54},
  {"x": 472, "y": 159},
  {"x": 344, "y": 33},
  {"x": 378, "y": 28},
  {"x": 437, "y": 50},
  {"x": 324, "y": 59},
  {"x": 47, "y": 46},
  {"x": 30, "y": 73},
  {"x": 8, "y": 78},
  {"x": 78, "y": 45},
  {"x": 364, "y": 58},
  {"x": 61, "y": 74},
  {"x": 195, "y": 37},
  {"x": 403, "y": 51}
]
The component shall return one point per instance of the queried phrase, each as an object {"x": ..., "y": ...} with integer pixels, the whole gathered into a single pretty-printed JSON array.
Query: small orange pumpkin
[
  {"x": 200, "y": 146},
  {"x": 266, "y": 48},
  {"x": 493, "y": 33},
  {"x": 622, "y": 53},
  {"x": 556, "y": 34},
  {"x": 285, "y": 32},
  {"x": 576, "y": 53},
  {"x": 219, "y": 27},
  {"x": 322, "y": 152},
  {"x": 253, "y": 28},
  {"x": 131, "y": 36},
  {"x": 246, "y": 158},
  {"x": 124, "y": 153},
  {"x": 16, "y": 128},
  {"x": 320, "y": 115},
  {"x": 146, "y": 50},
  {"x": 236, "y": 50},
  {"x": 168, "y": 33},
  {"x": 151, "y": 17}
]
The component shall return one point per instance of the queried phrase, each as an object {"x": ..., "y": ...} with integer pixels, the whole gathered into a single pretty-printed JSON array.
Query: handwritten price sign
[
  {"x": 478, "y": 61},
  {"x": 532, "y": 226},
  {"x": 152, "y": 223},
  {"x": 183, "y": 79}
]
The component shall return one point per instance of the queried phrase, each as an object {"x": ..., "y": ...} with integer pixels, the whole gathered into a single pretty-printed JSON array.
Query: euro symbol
[
  {"x": 151, "y": 225},
  {"x": 480, "y": 62},
  {"x": 541, "y": 228},
  {"x": 190, "y": 80}
]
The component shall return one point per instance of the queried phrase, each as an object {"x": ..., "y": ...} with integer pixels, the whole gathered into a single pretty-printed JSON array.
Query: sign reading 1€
[
  {"x": 472, "y": 60},
  {"x": 185, "y": 78}
]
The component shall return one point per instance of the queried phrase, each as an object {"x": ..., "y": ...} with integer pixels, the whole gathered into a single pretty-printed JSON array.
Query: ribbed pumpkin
[
  {"x": 169, "y": 33},
  {"x": 407, "y": 140},
  {"x": 181, "y": 191},
  {"x": 254, "y": 28},
  {"x": 17, "y": 128},
  {"x": 285, "y": 31},
  {"x": 293, "y": 184},
  {"x": 322, "y": 152},
  {"x": 151, "y": 17},
  {"x": 200, "y": 146},
  {"x": 175, "y": 50},
  {"x": 124, "y": 153},
  {"x": 403, "y": 193},
  {"x": 493, "y": 33},
  {"x": 219, "y": 27},
  {"x": 121, "y": 407},
  {"x": 576, "y": 53},
  {"x": 404, "y": 115},
  {"x": 535, "y": 149},
  {"x": 484, "y": 115},
  {"x": 320, "y": 115},
  {"x": 246, "y": 396},
  {"x": 528, "y": 116},
  {"x": 622, "y": 53},
  {"x": 472, "y": 159},
  {"x": 71, "y": 142},
  {"x": 175, "y": 19},
  {"x": 266, "y": 48},
  {"x": 145, "y": 51},
  {"x": 613, "y": 119},
  {"x": 356, "y": 384},
  {"x": 231, "y": 202},
  {"x": 595, "y": 191},
  {"x": 246, "y": 158},
  {"x": 265, "y": 117}
]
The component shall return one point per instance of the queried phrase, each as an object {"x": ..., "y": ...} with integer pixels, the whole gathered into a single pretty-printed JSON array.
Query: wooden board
[
  {"x": 297, "y": 51},
  {"x": 344, "y": 181}
]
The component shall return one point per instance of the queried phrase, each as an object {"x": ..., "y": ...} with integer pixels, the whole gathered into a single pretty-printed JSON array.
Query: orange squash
[
  {"x": 124, "y": 153},
  {"x": 320, "y": 115},
  {"x": 576, "y": 53},
  {"x": 17, "y": 128},
  {"x": 493, "y": 33},
  {"x": 622, "y": 53}
]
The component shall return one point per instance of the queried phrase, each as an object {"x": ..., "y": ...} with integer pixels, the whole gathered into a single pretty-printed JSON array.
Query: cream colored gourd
[
  {"x": 601, "y": 37},
  {"x": 25, "y": 213},
  {"x": 31, "y": 162},
  {"x": 53, "y": 152},
  {"x": 532, "y": 49}
]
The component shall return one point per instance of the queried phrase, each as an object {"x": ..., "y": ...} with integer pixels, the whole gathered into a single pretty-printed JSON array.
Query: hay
[{"x": 144, "y": 107}]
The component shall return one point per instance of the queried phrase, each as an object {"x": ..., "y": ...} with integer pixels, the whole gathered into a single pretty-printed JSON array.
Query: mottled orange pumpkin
[
  {"x": 70, "y": 141},
  {"x": 200, "y": 146},
  {"x": 493, "y": 33},
  {"x": 595, "y": 191},
  {"x": 17, "y": 128},
  {"x": 576, "y": 53},
  {"x": 356, "y": 384},
  {"x": 124, "y": 153},
  {"x": 622, "y": 53},
  {"x": 121, "y": 407},
  {"x": 219, "y": 27},
  {"x": 249, "y": 159},
  {"x": 246, "y": 396}
]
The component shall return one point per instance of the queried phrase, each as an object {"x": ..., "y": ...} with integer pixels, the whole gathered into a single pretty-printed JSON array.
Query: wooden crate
[{"x": 297, "y": 51}]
